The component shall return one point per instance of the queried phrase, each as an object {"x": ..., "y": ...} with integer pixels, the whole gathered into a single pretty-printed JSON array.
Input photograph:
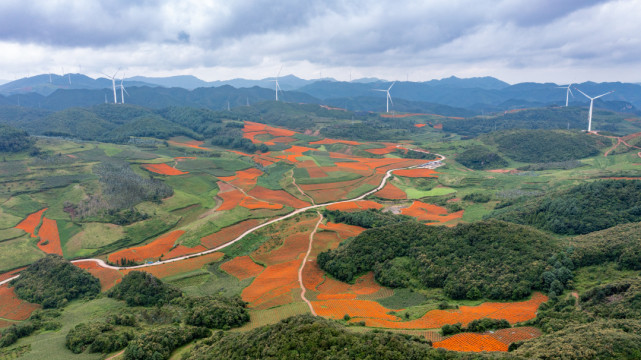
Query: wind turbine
[
  {"x": 277, "y": 87},
  {"x": 567, "y": 93},
  {"x": 591, "y": 104},
  {"x": 122, "y": 88},
  {"x": 389, "y": 98},
  {"x": 113, "y": 84}
]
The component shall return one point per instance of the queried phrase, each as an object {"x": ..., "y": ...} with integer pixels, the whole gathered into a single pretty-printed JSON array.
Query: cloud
[{"x": 390, "y": 38}]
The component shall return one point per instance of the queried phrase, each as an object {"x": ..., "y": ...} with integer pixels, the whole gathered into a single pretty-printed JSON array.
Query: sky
[{"x": 559, "y": 41}]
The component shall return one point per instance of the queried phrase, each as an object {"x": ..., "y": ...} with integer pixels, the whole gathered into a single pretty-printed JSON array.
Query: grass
[
  {"x": 55, "y": 199},
  {"x": 18, "y": 252},
  {"x": 150, "y": 228},
  {"x": 273, "y": 174},
  {"x": 11, "y": 233},
  {"x": 272, "y": 316},
  {"x": 8, "y": 220},
  {"x": 245, "y": 246},
  {"x": 591, "y": 276},
  {"x": 332, "y": 177},
  {"x": 89, "y": 238},
  {"x": 22, "y": 205},
  {"x": 211, "y": 281},
  {"x": 50, "y": 345},
  {"x": 403, "y": 298},
  {"x": 476, "y": 212},
  {"x": 360, "y": 190}
]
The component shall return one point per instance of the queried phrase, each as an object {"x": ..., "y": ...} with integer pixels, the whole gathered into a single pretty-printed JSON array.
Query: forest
[
  {"x": 463, "y": 260},
  {"x": 580, "y": 209}
]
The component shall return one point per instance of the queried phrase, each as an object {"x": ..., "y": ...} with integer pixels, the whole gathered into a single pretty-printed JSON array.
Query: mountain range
[{"x": 449, "y": 96}]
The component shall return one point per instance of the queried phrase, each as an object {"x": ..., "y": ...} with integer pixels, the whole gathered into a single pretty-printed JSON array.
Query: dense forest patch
[
  {"x": 491, "y": 259},
  {"x": 620, "y": 244},
  {"x": 14, "y": 140},
  {"x": 541, "y": 146},
  {"x": 481, "y": 158},
  {"x": 53, "y": 281},
  {"x": 139, "y": 288},
  {"x": 581, "y": 209},
  {"x": 307, "y": 337}
]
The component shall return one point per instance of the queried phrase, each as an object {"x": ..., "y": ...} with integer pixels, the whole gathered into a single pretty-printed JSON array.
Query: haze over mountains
[{"x": 449, "y": 96}]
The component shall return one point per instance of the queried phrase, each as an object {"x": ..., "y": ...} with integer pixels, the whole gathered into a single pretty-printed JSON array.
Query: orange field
[
  {"x": 514, "y": 312},
  {"x": 316, "y": 172},
  {"x": 332, "y": 141},
  {"x": 253, "y": 129},
  {"x": 355, "y": 205},
  {"x": 293, "y": 153},
  {"x": 361, "y": 309},
  {"x": 228, "y": 233},
  {"x": 192, "y": 144},
  {"x": 242, "y": 267},
  {"x": 438, "y": 126},
  {"x": 163, "y": 169},
  {"x": 500, "y": 340},
  {"x": 273, "y": 282},
  {"x": 181, "y": 250},
  {"x": 391, "y": 192},
  {"x": 11, "y": 307},
  {"x": 312, "y": 275},
  {"x": 344, "y": 231},
  {"x": 183, "y": 158},
  {"x": 231, "y": 199},
  {"x": 108, "y": 277},
  {"x": 419, "y": 125},
  {"x": 414, "y": 173},
  {"x": 429, "y": 212},
  {"x": 153, "y": 250},
  {"x": 31, "y": 222},
  {"x": 325, "y": 296},
  {"x": 244, "y": 179},
  {"x": 278, "y": 197},
  {"x": 49, "y": 233},
  {"x": 178, "y": 267},
  {"x": 386, "y": 150},
  {"x": 471, "y": 342},
  {"x": 252, "y": 203}
]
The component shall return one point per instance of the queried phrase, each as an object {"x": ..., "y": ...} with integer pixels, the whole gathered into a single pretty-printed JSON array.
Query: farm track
[
  {"x": 302, "y": 265},
  {"x": 388, "y": 174}
]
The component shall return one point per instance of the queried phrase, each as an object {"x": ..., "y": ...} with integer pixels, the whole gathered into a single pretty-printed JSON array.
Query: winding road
[{"x": 388, "y": 174}]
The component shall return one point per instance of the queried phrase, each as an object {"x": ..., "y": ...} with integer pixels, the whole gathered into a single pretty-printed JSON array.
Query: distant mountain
[
  {"x": 487, "y": 82},
  {"x": 287, "y": 82},
  {"x": 46, "y": 84},
  {"x": 188, "y": 82},
  {"x": 157, "y": 97},
  {"x": 2, "y": 81}
]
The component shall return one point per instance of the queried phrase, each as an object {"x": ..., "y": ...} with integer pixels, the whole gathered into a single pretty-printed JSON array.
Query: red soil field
[
  {"x": 242, "y": 267},
  {"x": 252, "y": 203},
  {"x": 514, "y": 312},
  {"x": 283, "y": 139},
  {"x": 182, "y": 158},
  {"x": 108, "y": 277},
  {"x": 508, "y": 336},
  {"x": 332, "y": 108},
  {"x": 503, "y": 171},
  {"x": 293, "y": 246},
  {"x": 438, "y": 126},
  {"x": 244, "y": 179},
  {"x": 278, "y": 197},
  {"x": 415, "y": 173},
  {"x": 344, "y": 231},
  {"x": 228, "y": 233},
  {"x": 181, "y": 250},
  {"x": 316, "y": 172},
  {"x": 429, "y": 212},
  {"x": 332, "y": 141},
  {"x": 231, "y": 199},
  {"x": 153, "y": 250},
  {"x": 192, "y": 144},
  {"x": 30, "y": 223},
  {"x": 355, "y": 205},
  {"x": 419, "y": 125},
  {"x": 11, "y": 307},
  {"x": 253, "y": 129},
  {"x": 336, "y": 297},
  {"x": 294, "y": 152},
  {"x": 179, "y": 267},
  {"x": 11, "y": 274},
  {"x": 163, "y": 169},
  {"x": 49, "y": 232},
  {"x": 391, "y": 192},
  {"x": 471, "y": 342},
  {"x": 358, "y": 166},
  {"x": 274, "y": 281},
  {"x": 401, "y": 115},
  {"x": 361, "y": 309}
]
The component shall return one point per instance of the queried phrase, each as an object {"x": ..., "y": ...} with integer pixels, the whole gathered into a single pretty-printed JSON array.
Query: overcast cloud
[{"x": 514, "y": 40}]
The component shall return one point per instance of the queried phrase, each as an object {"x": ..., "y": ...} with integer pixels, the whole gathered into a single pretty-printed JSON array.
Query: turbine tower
[
  {"x": 389, "y": 97},
  {"x": 277, "y": 87},
  {"x": 567, "y": 93},
  {"x": 113, "y": 84},
  {"x": 122, "y": 89},
  {"x": 591, "y": 105}
]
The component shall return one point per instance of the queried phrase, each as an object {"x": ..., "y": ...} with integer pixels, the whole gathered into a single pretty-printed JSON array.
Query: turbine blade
[
  {"x": 610, "y": 92},
  {"x": 126, "y": 91},
  {"x": 584, "y": 94},
  {"x": 379, "y": 90},
  {"x": 570, "y": 90},
  {"x": 390, "y": 87},
  {"x": 390, "y": 98}
]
